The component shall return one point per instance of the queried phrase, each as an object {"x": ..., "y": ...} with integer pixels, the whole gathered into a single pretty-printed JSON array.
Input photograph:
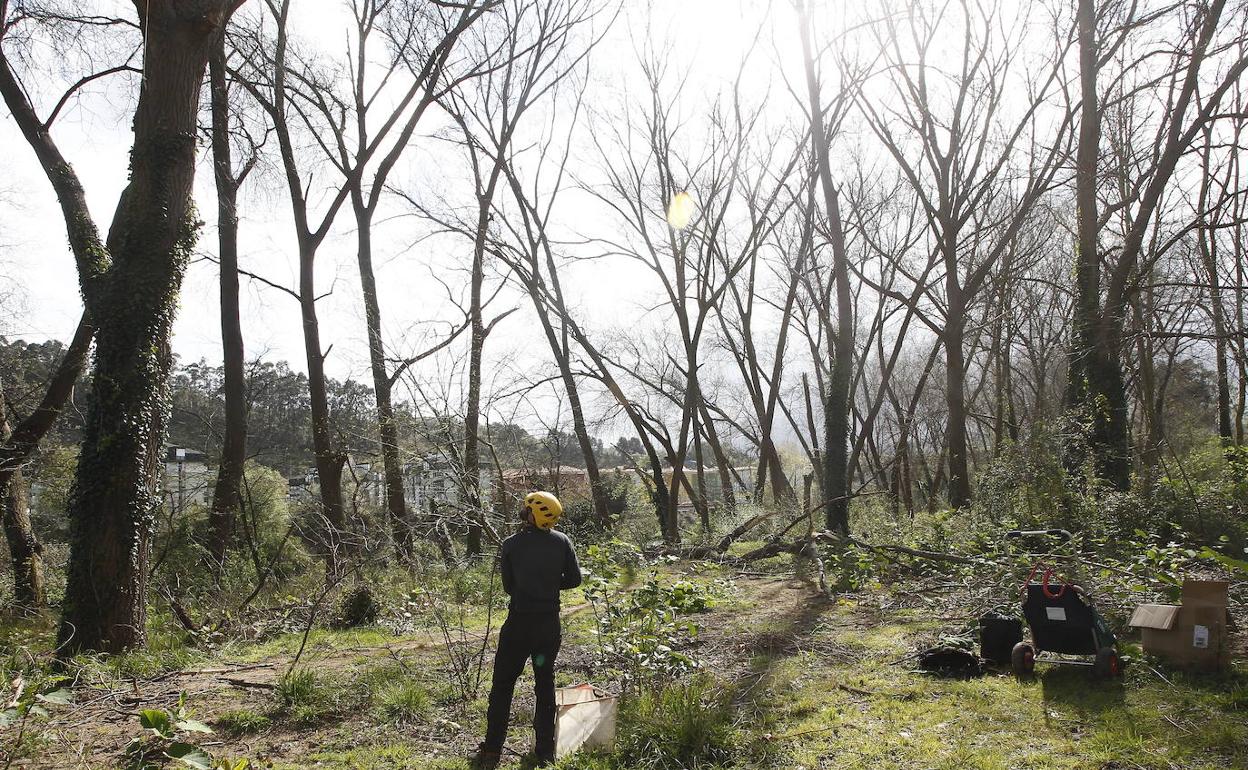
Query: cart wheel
[
  {"x": 1023, "y": 660},
  {"x": 1108, "y": 664}
]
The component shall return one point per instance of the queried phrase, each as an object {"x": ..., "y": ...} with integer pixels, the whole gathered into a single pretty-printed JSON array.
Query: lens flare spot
[{"x": 680, "y": 210}]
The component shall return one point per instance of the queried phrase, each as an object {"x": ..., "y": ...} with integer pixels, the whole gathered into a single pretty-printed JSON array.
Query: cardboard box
[
  {"x": 1193, "y": 634},
  {"x": 585, "y": 717}
]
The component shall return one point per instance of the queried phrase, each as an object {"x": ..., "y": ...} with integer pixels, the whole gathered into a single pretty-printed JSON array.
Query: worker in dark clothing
[{"x": 536, "y": 564}]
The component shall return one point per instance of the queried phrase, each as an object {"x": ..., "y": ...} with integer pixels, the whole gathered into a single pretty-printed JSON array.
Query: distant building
[
  {"x": 433, "y": 483},
  {"x": 429, "y": 482},
  {"x": 188, "y": 479}
]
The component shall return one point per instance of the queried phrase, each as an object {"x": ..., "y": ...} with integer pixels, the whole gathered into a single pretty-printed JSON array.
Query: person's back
[{"x": 536, "y": 563}]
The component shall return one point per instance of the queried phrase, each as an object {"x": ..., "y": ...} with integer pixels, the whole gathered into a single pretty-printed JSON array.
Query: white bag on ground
[{"x": 585, "y": 716}]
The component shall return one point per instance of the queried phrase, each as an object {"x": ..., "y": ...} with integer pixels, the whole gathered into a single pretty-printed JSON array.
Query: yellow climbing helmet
[{"x": 544, "y": 508}]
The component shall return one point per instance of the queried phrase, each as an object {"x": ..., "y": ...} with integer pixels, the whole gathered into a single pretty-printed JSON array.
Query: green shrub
[
  {"x": 358, "y": 607},
  {"x": 642, "y": 630}
]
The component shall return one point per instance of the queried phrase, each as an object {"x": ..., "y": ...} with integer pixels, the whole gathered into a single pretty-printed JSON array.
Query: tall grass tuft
[{"x": 685, "y": 725}]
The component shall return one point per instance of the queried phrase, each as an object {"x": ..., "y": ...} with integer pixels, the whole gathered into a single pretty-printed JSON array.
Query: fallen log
[
  {"x": 246, "y": 683},
  {"x": 727, "y": 540},
  {"x": 704, "y": 552},
  {"x": 953, "y": 558}
]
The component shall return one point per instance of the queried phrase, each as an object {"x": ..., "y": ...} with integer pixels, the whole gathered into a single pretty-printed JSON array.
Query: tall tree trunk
[
  {"x": 1207, "y": 241},
  {"x": 955, "y": 389},
  {"x": 133, "y": 302},
  {"x": 1241, "y": 319},
  {"x": 226, "y": 495},
  {"x": 472, "y": 409},
  {"x": 329, "y": 456},
  {"x": 1150, "y": 398},
  {"x": 1225, "y": 429},
  {"x": 1095, "y": 383},
  {"x": 836, "y": 492},
  {"x": 816, "y": 454},
  {"x": 598, "y": 492},
  {"x": 699, "y": 499},
  {"x": 387, "y": 429}
]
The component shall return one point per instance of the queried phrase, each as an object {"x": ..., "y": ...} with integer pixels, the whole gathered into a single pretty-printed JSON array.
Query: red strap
[
  {"x": 1044, "y": 583},
  {"x": 1045, "y": 586},
  {"x": 1030, "y": 575}
]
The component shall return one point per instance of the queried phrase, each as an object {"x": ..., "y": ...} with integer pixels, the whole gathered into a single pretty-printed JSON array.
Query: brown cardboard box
[
  {"x": 1206, "y": 593},
  {"x": 1195, "y": 633}
]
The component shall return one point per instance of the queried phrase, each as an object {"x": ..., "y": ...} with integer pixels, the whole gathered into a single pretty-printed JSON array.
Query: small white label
[
  {"x": 1200, "y": 637},
  {"x": 1055, "y": 613}
]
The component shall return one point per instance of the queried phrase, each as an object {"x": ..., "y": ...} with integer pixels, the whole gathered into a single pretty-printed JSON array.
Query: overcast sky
[{"x": 705, "y": 36}]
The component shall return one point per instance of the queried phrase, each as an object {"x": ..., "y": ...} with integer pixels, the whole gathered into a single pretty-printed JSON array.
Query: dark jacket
[{"x": 536, "y": 565}]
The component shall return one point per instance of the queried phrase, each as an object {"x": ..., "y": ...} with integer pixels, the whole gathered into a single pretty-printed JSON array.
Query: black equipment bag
[{"x": 998, "y": 633}]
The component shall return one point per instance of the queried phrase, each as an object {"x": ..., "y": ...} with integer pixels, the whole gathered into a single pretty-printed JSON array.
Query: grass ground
[{"x": 790, "y": 679}]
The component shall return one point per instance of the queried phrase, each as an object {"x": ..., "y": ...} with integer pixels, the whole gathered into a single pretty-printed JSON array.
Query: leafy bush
[
  {"x": 261, "y": 541},
  {"x": 358, "y": 607},
  {"x": 851, "y": 568},
  {"x": 641, "y": 630}
]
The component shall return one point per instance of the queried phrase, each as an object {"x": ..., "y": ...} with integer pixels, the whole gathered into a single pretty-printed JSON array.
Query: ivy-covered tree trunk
[
  {"x": 226, "y": 494},
  {"x": 133, "y": 300},
  {"x": 115, "y": 491},
  {"x": 129, "y": 286},
  {"x": 836, "y": 405},
  {"x": 1095, "y": 386}
]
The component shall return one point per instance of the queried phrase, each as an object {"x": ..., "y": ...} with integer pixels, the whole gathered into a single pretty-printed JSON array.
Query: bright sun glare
[{"x": 680, "y": 210}]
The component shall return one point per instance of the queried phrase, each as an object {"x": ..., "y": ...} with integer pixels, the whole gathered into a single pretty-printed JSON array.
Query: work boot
[{"x": 485, "y": 759}]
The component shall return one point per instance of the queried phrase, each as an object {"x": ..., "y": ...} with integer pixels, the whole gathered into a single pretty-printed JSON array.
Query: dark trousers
[{"x": 525, "y": 636}]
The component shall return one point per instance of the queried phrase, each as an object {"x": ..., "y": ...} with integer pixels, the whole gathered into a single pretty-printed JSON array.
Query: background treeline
[{"x": 280, "y": 418}]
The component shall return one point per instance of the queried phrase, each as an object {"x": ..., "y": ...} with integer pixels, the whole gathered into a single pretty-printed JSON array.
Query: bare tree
[
  {"x": 129, "y": 285},
  {"x": 1097, "y": 385},
  {"x": 958, "y": 143},
  {"x": 301, "y": 99},
  {"x": 227, "y": 492},
  {"x": 424, "y": 40},
  {"x": 527, "y": 52}
]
